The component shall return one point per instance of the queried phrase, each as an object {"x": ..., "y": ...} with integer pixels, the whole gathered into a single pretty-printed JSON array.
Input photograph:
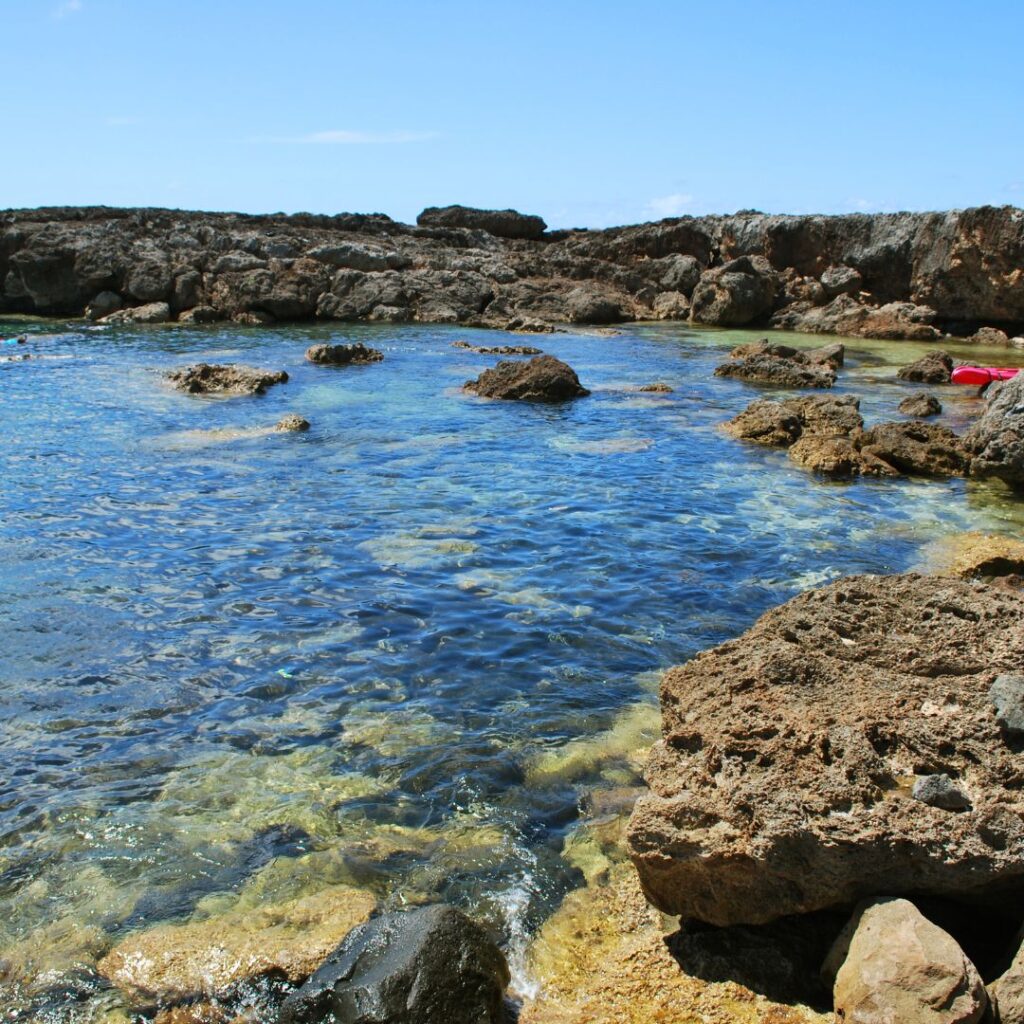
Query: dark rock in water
[
  {"x": 499, "y": 350},
  {"x": 918, "y": 449},
  {"x": 778, "y": 787},
  {"x": 1007, "y": 697},
  {"x": 770, "y": 363},
  {"x": 427, "y": 966},
  {"x": 658, "y": 388},
  {"x": 292, "y": 422},
  {"x": 933, "y": 368},
  {"x": 996, "y": 439},
  {"x": 501, "y": 223},
  {"x": 199, "y": 315},
  {"x": 898, "y": 966},
  {"x": 230, "y": 379},
  {"x": 941, "y": 791},
  {"x": 735, "y": 294},
  {"x": 542, "y": 379},
  {"x": 781, "y": 424},
  {"x": 343, "y": 355},
  {"x": 920, "y": 406}
]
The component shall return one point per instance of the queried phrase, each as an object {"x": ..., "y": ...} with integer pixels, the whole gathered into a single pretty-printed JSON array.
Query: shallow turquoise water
[{"x": 405, "y": 642}]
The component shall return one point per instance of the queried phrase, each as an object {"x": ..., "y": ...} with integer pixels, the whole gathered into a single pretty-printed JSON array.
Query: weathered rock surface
[
  {"x": 920, "y": 406},
  {"x": 210, "y": 959},
  {"x": 541, "y": 379},
  {"x": 900, "y": 967},
  {"x": 886, "y": 276},
  {"x": 432, "y": 965},
  {"x": 228, "y": 379},
  {"x": 499, "y": 350},
  {"x": 783, "y": 782},
  {"x": 343, "y": 355},
  {"x": 996, "y": 439},
  {"x": 1006, "y": 993},
  {"x": 658, "y": 388},
  {"x": 151, "y": 313},
  {"x": 914, "y": 448},
  {"x": 932, "y": 368},
  {"x": 770, "y": 363},
  {"x": 780, "y": 424},
  {"x": 977, "y": 556},
  {"x": 292, "y": 422}
]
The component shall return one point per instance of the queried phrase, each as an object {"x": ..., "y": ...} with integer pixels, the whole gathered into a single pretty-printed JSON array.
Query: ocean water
[{"x": 396, "y": 651}]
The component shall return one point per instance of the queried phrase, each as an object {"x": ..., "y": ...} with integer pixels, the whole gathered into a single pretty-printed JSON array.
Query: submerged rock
[
  {"x": 343, "y": 355},
  {"x": 658, "y": 389},
  {"x": 542, "y": 379},
  {"x": 770, "y": 363},
  {"x": 210, "y": 959},
  {"x": 292, "y": 422},
  {"x": 977, "y": 556},
  {"x": 782, "y": 784},
  {"x": 898, "y": 966},
  {"x": 996, "y": 439},
  {"x": 432, "y": 965},
  {"x": 228, "y": 379},
  {"x": 920, "y": 406},
  {"x": 932, "y": 368}
]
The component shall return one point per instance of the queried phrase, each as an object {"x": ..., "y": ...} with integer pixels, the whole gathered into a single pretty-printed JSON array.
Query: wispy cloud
[
  {"x": 670, "y": 206},
  {"x": 67, "y": 7},
  {"x": 349, "y": 138}
]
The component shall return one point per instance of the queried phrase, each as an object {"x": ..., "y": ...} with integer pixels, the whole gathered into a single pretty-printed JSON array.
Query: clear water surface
[{"x": 394, "y": 651}]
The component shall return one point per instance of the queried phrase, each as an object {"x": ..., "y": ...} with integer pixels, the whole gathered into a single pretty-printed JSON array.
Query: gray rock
[
  {"x": 151, "y": 313},
  {"x": 841, "y": 281},
  {"x": 1007, "y": 697},
  {"x": 941, "y": 791},
  {"x": 213, "y": 378},
  {"x": 920, "y": 406},
  {"x": 343, "y": 355},
  {"x": 292, "y": 422},
  {"x": 427, "y": 966},
  {"x": 589, "y": 306},
  {"x": 997, "y": 438},
  {"x": 678, "y": 273},
  {"x": 899, "y": 967},
  {"x": 501, "y": 223},
  {"x": 933, "y": 368},
  {"x": 103, "y": 305},
  {"x": 735, "y": 294},
  {"x": 149, "y": 281}
]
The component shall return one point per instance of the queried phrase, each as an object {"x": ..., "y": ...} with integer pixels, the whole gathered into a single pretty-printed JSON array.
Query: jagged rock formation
[
  {"x": 784, "y": 780},
  {"x": 997, "y": 438},
  {"x": 227, "y": 379},
  {"x": 541, "y": 379},
  {"x": 885, "y": 275}
]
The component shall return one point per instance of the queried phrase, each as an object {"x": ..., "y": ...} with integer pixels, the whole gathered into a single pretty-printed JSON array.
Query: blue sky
[{"x": 589, "y": 114}]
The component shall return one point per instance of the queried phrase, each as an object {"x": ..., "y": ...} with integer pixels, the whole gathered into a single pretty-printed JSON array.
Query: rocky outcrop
[
  {"x": 783, "y": 782},
  {"x": 1006, "y": 993},
  {"x": 898, "y": 966},
  {"x": 292, "y": 422},
  {"x": 228, "y": 379},
  {"x": 915, "y": 449},
  {"x": 500, "y": 223},
  {"x": 541, "y": 379},
  {"x": 770, "y": 363},
  {"x": 996, "y": 439},
  {"x": 878, "y": 276},
  {"x": 780, "y": 424},
  {"x": 432, "y": 965},
  {"x": 208, "y": 959},
  {"x": 499, "y": 350},
  {"x": 343, "y": 355},
  {"x": 931, "y": 368},
  {"x": 920, "y": 406}
]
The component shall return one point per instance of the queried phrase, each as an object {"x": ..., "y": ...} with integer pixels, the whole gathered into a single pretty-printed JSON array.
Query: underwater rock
[
  {"x": 932, "y": 368},
  {"x": 920, "y": 406},
  {"x": 735, "y": 294},
  {"x": 432, "y": 965},
  {"x": 658, "y": 389},
  {"x": 210, "y": 958},
  {"x": 898, "y": 966},
  {"x": 542, "y": 379},
  {"x": 343, "y": 355},
  {"x": 977, "y": 556},
  {"x": 996, "y": 439},
  {"x": 229, "y": 379},
  {"x": 782, "y": 782},
  {"x": 603, "y": 958}
]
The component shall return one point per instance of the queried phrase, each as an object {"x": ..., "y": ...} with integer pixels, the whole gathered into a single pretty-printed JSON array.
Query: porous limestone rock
[
  {"x": 343, "y": 355},
  {"x": 226, "y": 379},
  {"x": 541, "y": 379},
  {"x": 996, "y": 439}
]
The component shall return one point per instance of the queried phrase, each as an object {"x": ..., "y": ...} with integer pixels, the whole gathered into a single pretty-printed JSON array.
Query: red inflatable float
[{"x": 979, "y": 376}]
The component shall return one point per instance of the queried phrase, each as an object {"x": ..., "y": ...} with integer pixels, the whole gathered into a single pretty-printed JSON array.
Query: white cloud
[
  {"x": 670, "y": 206},
  {"x": 66, "y": 8},
  {"x": 350, "y": 138}
]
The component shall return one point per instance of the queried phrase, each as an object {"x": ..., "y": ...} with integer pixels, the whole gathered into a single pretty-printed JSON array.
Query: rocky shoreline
[{"x": 897, "y": 276}]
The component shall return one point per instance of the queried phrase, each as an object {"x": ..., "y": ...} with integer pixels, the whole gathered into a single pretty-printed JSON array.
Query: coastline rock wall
[{"x": 878, "y": 275}]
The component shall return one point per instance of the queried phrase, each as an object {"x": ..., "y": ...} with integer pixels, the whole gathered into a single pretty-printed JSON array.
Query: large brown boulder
[
  {"x": 541, "y": 379},
  {"x": 502, "y": 223},
  {"x": 916, "y": 449},
  {"x": 996, "y": 439},
  {"x": 932, "y": 368},
  {"x": 771, "y": 363},
  {"x": 899, "y": 966},
  {"x": 784, "y": 778},
  {"x": 736, "y": 293},
  {"x": 780, "y": 424},
  {"x": 343, "y": 355}
]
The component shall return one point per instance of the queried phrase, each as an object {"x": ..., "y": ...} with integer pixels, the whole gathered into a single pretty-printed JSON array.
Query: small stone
[
  {"x": 941, "y": 791},
  {"x": 1007, "y": 696},
  {"x": 292, "y": 422},
  {"x": 920, "y": 406}
]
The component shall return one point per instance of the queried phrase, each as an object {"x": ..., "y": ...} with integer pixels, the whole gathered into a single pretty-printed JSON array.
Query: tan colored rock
[
  {"x": 780, "y": 424},
  {"x": 976, "y": 556},
  {"x": 916, "y": 448},
  {"x": 208, "y": 959},
  {"x": 899, "y": 967},
  {"x": 1006, "y": 993},
  {"x": 830, "y": 456},
  {"x": 357, "y": 354},
  {"x": 227, "y": 379},
  {"x": 602, "y": 959},
  {"x": 783, "y": 780}
]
